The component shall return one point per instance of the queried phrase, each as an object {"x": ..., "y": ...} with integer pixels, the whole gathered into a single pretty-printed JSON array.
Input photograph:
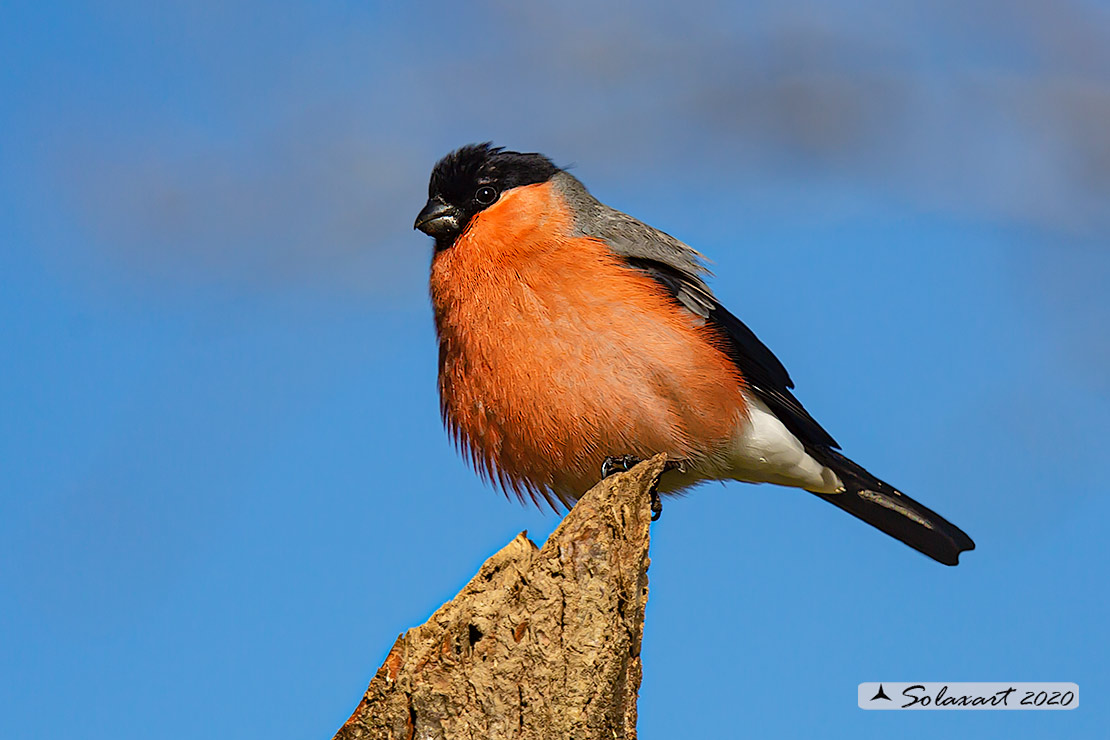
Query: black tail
[{"x": 892, "y": 511}]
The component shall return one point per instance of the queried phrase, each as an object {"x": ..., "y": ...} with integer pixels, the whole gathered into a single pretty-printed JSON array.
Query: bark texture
[{"x": 542, "y": 643}]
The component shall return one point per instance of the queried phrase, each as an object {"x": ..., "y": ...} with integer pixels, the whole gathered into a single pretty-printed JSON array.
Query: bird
[{"x": 574, "y": 338}]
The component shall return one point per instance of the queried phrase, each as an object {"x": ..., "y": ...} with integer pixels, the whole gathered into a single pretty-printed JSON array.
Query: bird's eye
[{"x": 485, "y": 195}]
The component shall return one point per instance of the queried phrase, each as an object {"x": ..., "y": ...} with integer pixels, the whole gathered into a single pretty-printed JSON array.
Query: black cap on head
[{"x": 472, "y": 178}]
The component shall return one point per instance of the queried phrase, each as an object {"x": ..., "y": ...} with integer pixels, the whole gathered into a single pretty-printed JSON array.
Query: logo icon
[{"x": 880, "y": 694}]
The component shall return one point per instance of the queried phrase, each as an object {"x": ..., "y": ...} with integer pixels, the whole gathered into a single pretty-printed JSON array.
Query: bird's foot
[
  {"x": 618, "y": 464},
  {"x": 624, "y": 463}
]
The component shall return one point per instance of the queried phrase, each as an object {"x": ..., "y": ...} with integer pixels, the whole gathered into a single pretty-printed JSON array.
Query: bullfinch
[{"x": 572, "y": 335}]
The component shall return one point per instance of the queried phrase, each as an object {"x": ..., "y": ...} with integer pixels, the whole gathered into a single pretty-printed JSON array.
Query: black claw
[
  {"x": 656, "y": 501},
  {"x": 618, "y": 464},
  {"x": 656, "y": 505}
]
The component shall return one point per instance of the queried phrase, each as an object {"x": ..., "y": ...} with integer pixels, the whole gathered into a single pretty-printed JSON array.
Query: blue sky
[{"x": 224, "y": 488}]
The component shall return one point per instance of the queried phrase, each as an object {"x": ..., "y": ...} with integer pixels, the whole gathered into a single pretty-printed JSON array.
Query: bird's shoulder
[{"x": 628, "y": 236}]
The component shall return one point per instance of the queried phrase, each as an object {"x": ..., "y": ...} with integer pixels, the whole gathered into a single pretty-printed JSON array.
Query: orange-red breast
[{"x": 570, "y": 333}]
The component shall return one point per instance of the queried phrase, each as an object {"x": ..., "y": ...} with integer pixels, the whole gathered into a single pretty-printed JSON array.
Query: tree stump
[{"x": 542, "y": 643}]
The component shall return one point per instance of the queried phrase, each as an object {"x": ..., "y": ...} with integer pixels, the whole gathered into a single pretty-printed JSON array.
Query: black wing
[{"x": 680, "y": 271}]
